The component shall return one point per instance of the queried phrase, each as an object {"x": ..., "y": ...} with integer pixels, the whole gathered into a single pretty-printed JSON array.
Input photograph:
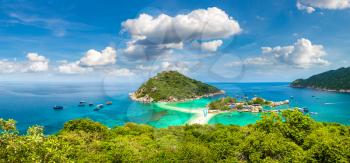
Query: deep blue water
[{"x": 31, "y": 103}]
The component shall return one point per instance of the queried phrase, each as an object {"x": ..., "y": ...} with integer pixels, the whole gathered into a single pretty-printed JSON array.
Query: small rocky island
[
  {"x": 255, "y": 105},
  {"x": 334, "y": 80},
  {"x": 172, "y": 86}
]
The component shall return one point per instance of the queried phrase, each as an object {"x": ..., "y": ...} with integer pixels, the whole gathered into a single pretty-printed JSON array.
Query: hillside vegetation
[
  {"x": 172, "y": 86},
  {"x": 338, "y": 80},
  {"x": 296, "y": 138}
]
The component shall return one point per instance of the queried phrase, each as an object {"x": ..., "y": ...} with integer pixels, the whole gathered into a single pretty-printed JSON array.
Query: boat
[
  {"x": 306, "y": 110},
  {"x": 109, "y": 103},
  {"x": 98, "y": 107},
  {"x": 91, "y": 104},
  {"x": 82, "y": 103},
  {"x": 58, "y": 107},
  {"x": 315, "y": 113}
]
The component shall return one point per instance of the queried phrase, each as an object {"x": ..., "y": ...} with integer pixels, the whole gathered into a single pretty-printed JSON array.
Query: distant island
[
  {"x": 172, "y": 86},
  {"x": 334, "y": 80}
]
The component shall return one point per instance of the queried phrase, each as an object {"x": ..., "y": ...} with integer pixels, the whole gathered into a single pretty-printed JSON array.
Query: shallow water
[{"x": 31, "y": 103}]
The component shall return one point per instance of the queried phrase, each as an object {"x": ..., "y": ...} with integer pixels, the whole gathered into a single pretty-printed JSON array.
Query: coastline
[
  {"x": 147, "y": 99},
  {"x": 322, "y": 89},
  {"x": 198, "y": 116}
]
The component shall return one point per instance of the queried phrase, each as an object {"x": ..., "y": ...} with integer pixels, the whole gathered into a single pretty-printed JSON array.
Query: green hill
[
  {"x": 171, "y": 86},
  {"x": 337, "y": 80}
]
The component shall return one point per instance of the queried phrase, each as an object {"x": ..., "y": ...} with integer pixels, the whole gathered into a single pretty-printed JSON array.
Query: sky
[{"x": 210, "y": 40}]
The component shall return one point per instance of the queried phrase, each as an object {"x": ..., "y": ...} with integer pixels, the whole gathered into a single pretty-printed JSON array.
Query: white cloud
[
  {"x": 182, "y": 67},
  {"x": 8, "y": 66},
  {"x": 153, "y": 36},
  {"x": 123, "y": 72},
  {"x": 73, "y": 68},
  {"x": 34, "y": 63},
  {"x": 310, "y": 5},
  {"x": 211, "y": 46},
  {"x": 302, "y": 54},
  {"x": 308, "y": 9},
  {"x": 96, "y": 58},
  {"x": 37, "y": 63},
  {"x": 35, "y": 57}
]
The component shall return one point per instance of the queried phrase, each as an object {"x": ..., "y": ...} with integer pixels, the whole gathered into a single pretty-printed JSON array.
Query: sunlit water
[{"x": 31, "y": 103}]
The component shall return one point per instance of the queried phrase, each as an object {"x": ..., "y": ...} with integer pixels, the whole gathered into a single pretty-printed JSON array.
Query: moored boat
[
  {"x": 58, "y": 107},
  {"x": 82, "y": 103},
  {"x": 98, "y": 107}
]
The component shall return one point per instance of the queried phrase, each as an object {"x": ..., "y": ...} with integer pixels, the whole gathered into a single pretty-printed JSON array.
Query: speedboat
[
  {"x": 82, "y": 103},
  {"x": 91, "y": 104},
  {"x": 98, "y": 107},
  {"x": 58, "y": 107},
  {"x": 109, "y": 103}
]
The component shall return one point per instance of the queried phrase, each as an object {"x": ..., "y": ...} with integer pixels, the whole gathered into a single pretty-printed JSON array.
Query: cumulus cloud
[
  {"x": 34, "y": 63},
  {"x": 96, "y": 58},
  {"x": 37, "y": 63},
  {"x": 91, "y": 60},
  {"x": 311, "y": 5},
  {"x": 73, "y": 68},
  {"x": 211, "y": 46},
  {"x": 157, "y": 35},
  {"x": 302, "y": 54}
]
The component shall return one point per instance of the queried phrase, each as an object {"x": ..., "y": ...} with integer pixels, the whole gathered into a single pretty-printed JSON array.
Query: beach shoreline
[{"x": 147, "y": 99}]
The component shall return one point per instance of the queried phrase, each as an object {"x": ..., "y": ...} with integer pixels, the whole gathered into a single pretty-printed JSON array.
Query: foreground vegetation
[
  {"x": 332, "y": 80},
  {"x": 297, "y": 138},
  {"x": 173, "y": 86}
]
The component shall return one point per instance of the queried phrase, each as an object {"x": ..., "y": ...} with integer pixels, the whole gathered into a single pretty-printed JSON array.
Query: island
[
  {"x": 333, "y": 80},
  {"x": 172, "y": 86},
  {"x": 254, "y": 105}
]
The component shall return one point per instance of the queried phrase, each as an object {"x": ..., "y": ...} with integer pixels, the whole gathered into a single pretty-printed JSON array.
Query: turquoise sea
[{"x": 31, "y": 103}]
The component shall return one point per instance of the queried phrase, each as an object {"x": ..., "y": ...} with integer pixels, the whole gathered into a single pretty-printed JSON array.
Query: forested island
[
  {"x": 287, "y": 137},
  {"x": 333, "y": 80},
  {"x": 244, "y": 105},
  {"x": 172, "y": 86}
]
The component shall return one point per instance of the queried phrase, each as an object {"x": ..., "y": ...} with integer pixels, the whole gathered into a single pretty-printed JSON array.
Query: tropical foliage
[
  {"x": 334, "y": 80},
  {"x": 222, "y": 104},
  {"x": 172, "y": 84},
  {"x": 296, "y": 138}
]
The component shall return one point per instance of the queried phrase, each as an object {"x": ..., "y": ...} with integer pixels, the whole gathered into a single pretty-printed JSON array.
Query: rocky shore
[{"x": 147, "y": 99}]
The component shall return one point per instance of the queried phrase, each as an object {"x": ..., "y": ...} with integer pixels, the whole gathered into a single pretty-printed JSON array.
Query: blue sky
[{"x": 230, "y": 41}]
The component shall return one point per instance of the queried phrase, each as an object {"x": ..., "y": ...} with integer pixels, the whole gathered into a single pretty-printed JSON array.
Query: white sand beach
[{"x": 199, "y": 116}]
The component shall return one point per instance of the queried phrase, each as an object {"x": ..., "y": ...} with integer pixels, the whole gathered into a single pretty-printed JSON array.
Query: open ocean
[{"x": 31, "y": 103}]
